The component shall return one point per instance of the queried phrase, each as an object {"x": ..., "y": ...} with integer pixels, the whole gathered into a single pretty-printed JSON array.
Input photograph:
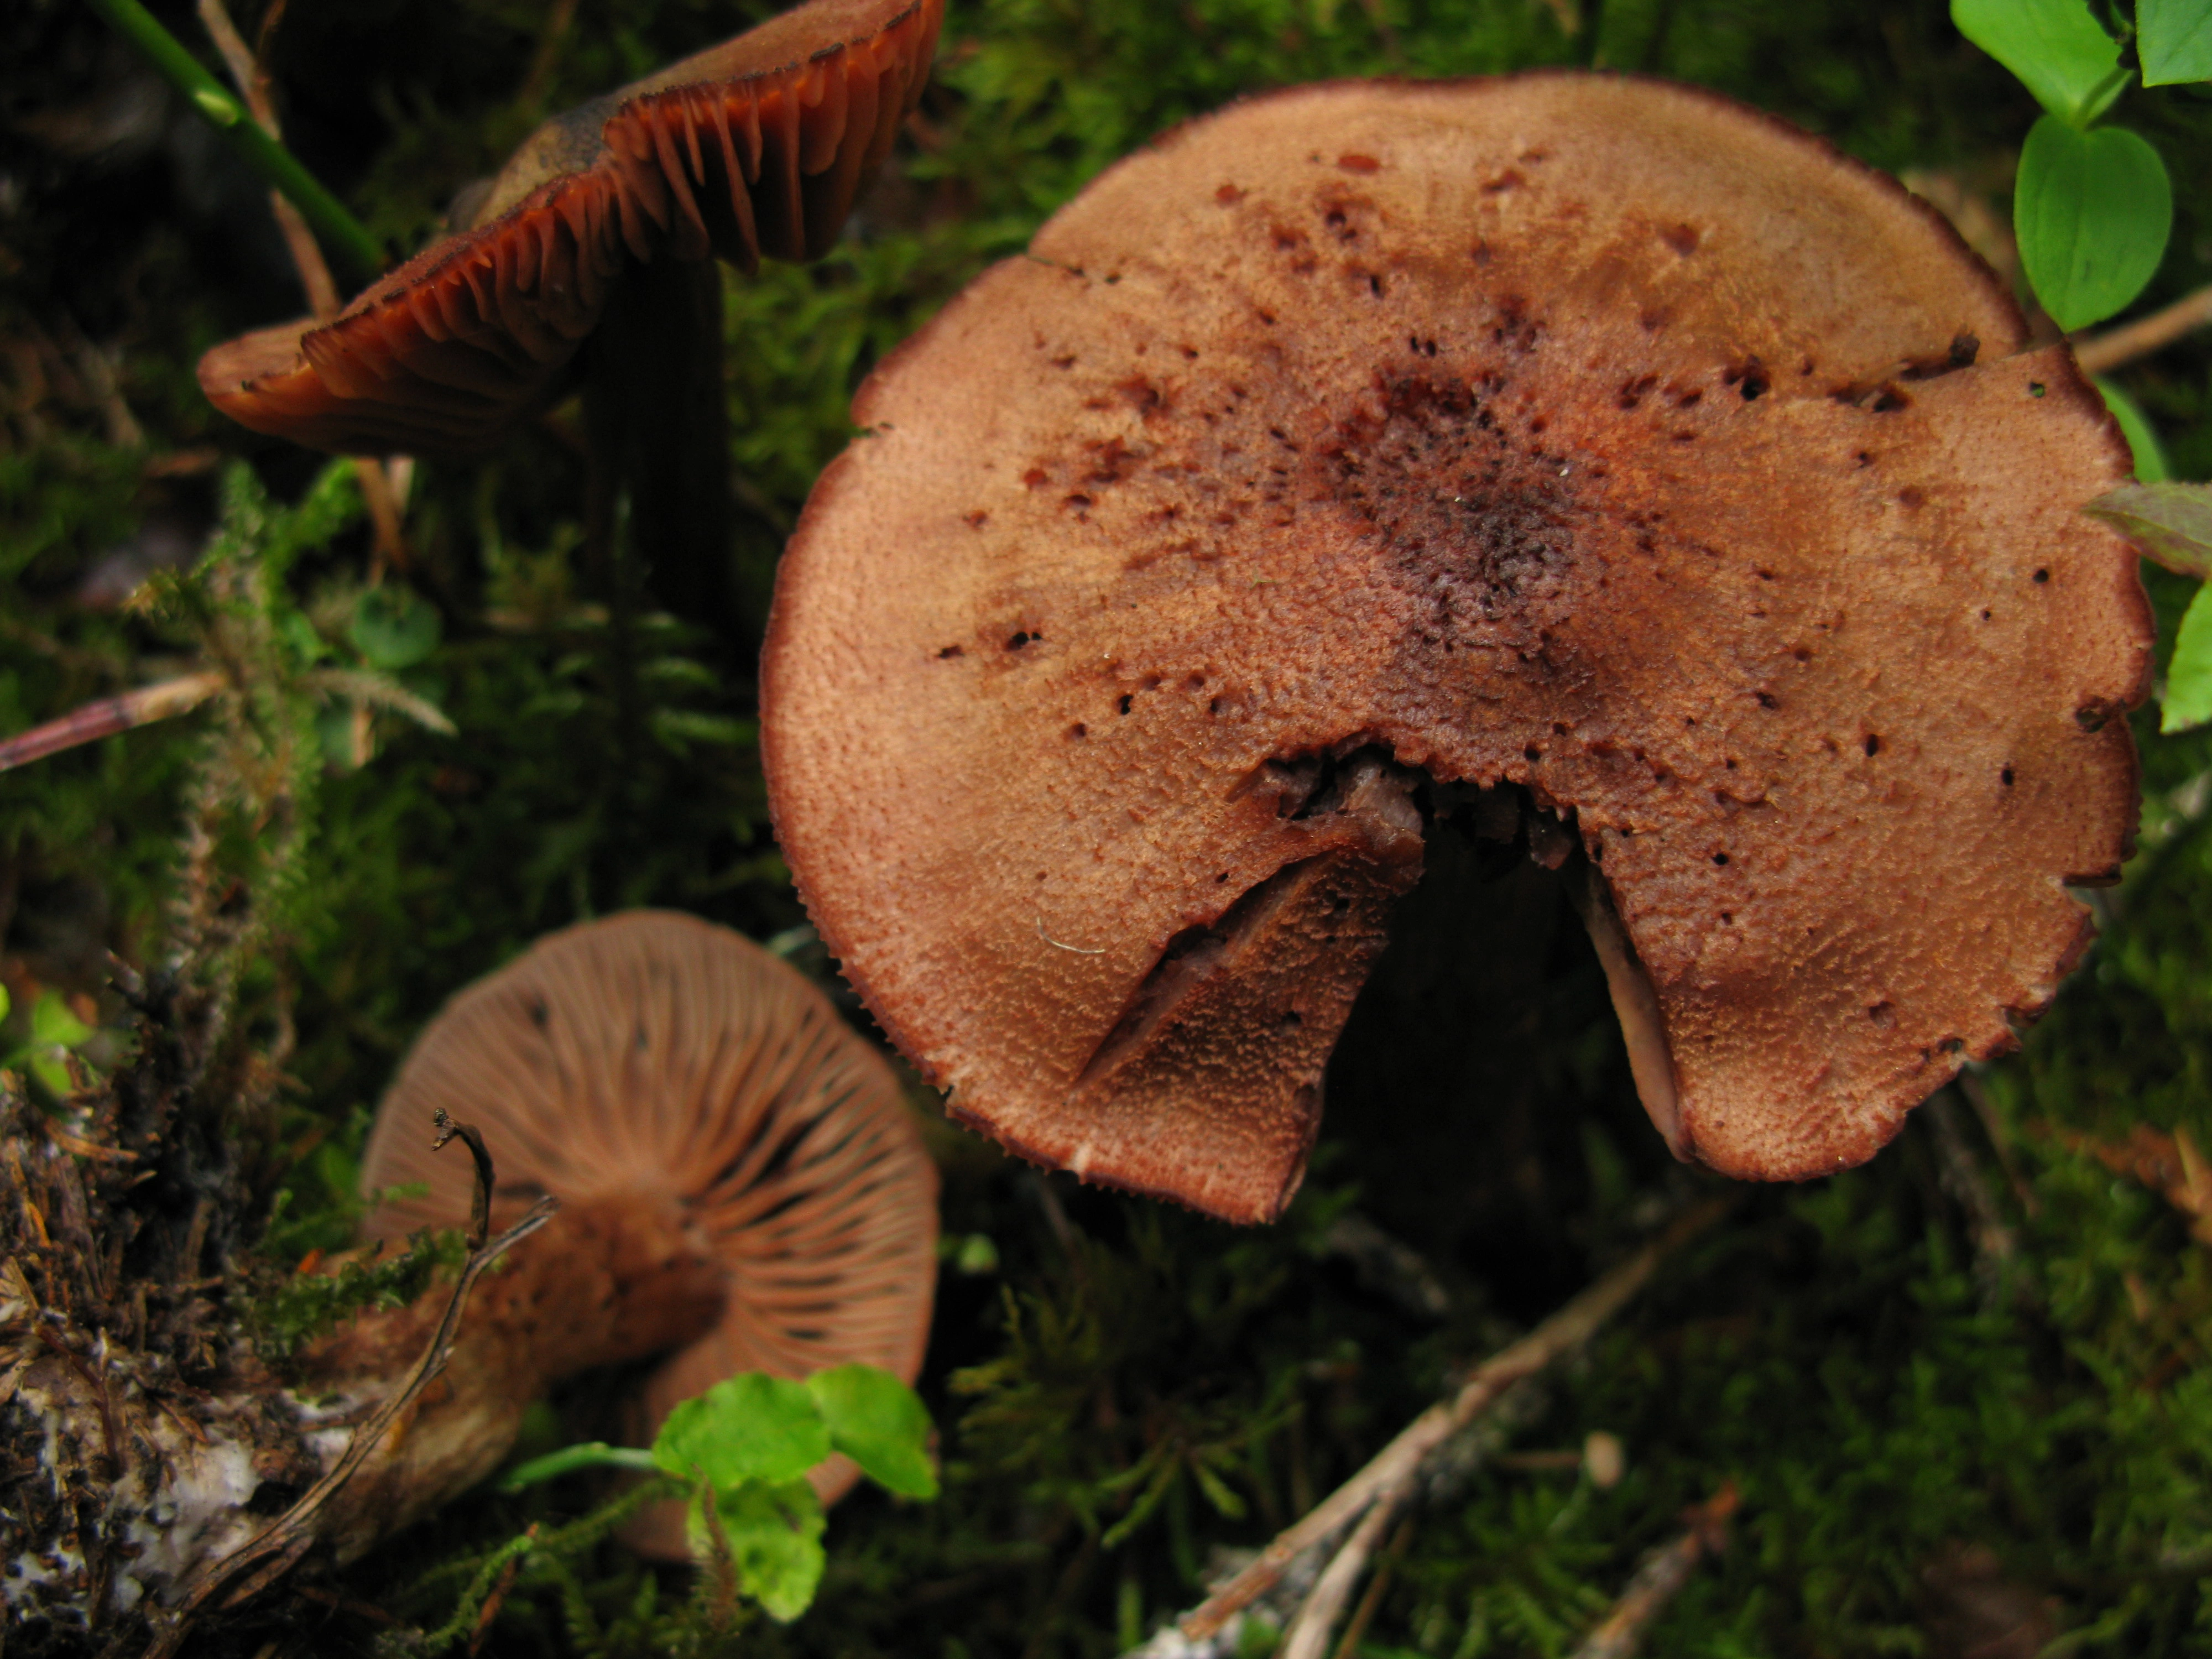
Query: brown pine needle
[
  {"x": 1657, "y": 1581},
  {"x": 2101, "y": 353},
  {"x": 1393, "y": 1469},
  {"x": 108, "y": 716}
]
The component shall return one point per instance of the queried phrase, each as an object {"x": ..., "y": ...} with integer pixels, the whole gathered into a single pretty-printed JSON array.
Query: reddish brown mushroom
[
  {"x": 594, "y": 241},
  {"x": 1596, "y": 438},
  {"x": 756, "y": 147},
  {"x": 656, "y": 1061}
]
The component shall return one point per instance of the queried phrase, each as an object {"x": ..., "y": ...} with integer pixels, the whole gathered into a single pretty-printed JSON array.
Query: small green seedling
[
  {"x": 56, "y": 1033},
  {"x": 741, "y": 1452}
]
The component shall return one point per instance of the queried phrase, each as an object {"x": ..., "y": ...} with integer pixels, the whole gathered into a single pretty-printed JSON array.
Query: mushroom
[
  {"x": 605, "y": 216},
  {"x": 1593, "y": 438},
  {"x": 654, "y": 1062}
]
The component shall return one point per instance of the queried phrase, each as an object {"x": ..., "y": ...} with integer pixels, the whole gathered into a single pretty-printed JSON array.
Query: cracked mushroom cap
[
  {"x": 653, "y": 1054},
  {"x": 758, "y": 146},
  {"x": 1595, "y": 436}
]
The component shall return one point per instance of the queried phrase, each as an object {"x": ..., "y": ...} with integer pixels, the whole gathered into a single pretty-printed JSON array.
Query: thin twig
[
  {"x": 480, "y": 1200},
  {"x": 1961, "y": 1177},
  {"x": 108, "y": 716},
  {"x": 1308, "y": 1637},
  {"x": 1355, "y": 1628},
  {"x": 253, "y": 82},
  {"x": 1662, "y": 1574},
  {"x": 499, "y": 1588},
  {"x": 378, "y": 491},
  {"x": 335, "y": 227},
  {"x": 2101, "y": 353},
  {"x": 284, "y": 1536},
  {"x": 1397, "y": 1462}
]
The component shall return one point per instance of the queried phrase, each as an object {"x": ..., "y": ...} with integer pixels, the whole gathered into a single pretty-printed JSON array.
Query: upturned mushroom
[
  {"x": 741, "y": 1187},
  {"x": 599, "y": 229},
  {"x": 655, "y": 1061},
  {"x": 1597, "y": 439}
]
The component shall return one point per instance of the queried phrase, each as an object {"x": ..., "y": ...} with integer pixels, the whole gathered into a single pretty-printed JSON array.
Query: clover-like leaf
[
  {"x": 2174, "y": 37},
  {"x": 2092, "y": 211},
  {"x": 773, "y": 1533},
  {"x": 395, "y": 628},
  {"x": 880, "y": 1424},
  {"x": 748, "y": 1427},
  {"x": 54, "y": 1026},
  {"x": 2170, "y": 522},
  {"x": 2056, "y": 47}
]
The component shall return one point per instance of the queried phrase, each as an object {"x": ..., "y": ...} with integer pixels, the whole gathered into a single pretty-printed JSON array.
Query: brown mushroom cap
[
  {"x": 1595, "y": 437},
  {"x": 652, "y": 1054},
  {"x": 756, "y": 147}
]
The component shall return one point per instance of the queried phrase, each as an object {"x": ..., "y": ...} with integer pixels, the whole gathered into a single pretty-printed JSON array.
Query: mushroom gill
[
  {"x": 656, "y": 1062},
  {"x": 1596, "y": 437}
]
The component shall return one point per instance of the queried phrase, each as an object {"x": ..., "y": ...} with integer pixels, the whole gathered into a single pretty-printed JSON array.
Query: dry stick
[
  {"x": 289, "y": 1536},
  {"x": 378, "y": 492},
  {"x": 109, "y": 715},
  {"x": 1355, "y": 1629},
  {"x": 1397, "y": 1462},
  {"x": 1308, "y": 1637},
  {"x": 2103, "y": 352},
  {"x": 1663, "y": 1573}
]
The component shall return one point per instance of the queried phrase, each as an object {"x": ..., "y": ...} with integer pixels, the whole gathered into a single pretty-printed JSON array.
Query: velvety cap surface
[{"x": 1597, "y": 436}]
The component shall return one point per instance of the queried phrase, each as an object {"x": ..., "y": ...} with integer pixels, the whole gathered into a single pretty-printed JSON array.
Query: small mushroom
[
  {"x": 756, "y": 147},
  {"x": 1598, "y": 438},
  {"x": 598, "y": 230},
  {"x": 653, "y": 1060}
]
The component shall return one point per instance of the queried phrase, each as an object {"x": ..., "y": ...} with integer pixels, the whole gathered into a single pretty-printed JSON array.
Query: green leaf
[
  {"x": 2188, "y": 699},
  {"x": 774, "y": 1535},
  {"x": 880, "y": 1424},
  {"x": 52, "y": 1024},
  {"x": 395, "y": 628},
  {"x": 2170, "y": 523},
  {"x": 6, "y": 1002},
  {"x": 2056, "y": 47},
  {"x": 2174, "y": 37},
  {"x": 748, "y": 1427},
  {"x": 2092, "y": 211},
  {"x": 2151, "y": 464}
]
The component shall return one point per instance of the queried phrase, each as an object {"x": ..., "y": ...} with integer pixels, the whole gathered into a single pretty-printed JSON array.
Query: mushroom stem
[{"x": 659, "y": 430}]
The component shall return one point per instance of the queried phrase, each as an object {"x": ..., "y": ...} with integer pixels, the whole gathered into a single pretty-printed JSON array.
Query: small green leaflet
[
  {"x": 395, "y": 628},
  {"x": 2092, "y": 211},
  {"x": 876, "y": 1420},
  {"x": 2170, "y": 523},
  {"x": 749, "y": 1427},
  {"x": 2175, "y": 39},
  {"x": 2188, "y": 699},
  {"x": 773, "y": 1535},
  {"x": 2056, "y": 47}
]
